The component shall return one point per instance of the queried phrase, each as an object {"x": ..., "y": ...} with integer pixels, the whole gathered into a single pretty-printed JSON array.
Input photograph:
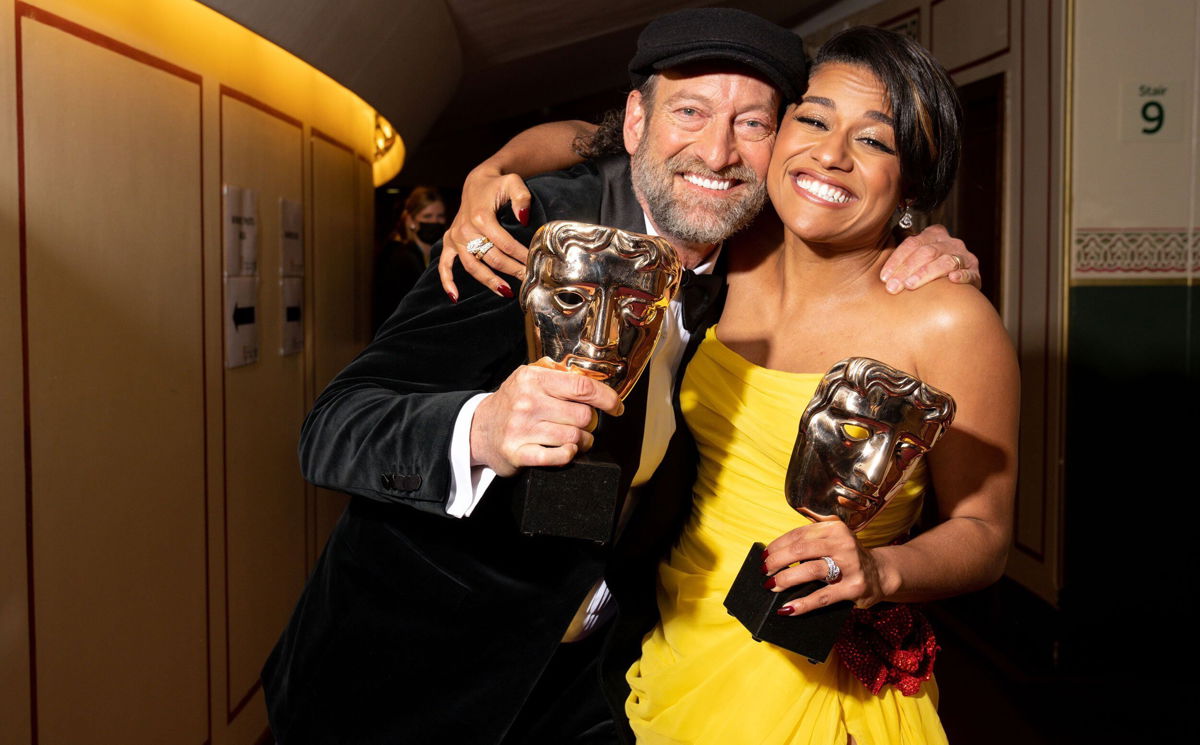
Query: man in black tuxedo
[{"x": 429, "y": 618}]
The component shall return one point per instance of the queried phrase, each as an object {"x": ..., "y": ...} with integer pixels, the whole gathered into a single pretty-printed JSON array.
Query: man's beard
[{"x": 693, "y": 217}]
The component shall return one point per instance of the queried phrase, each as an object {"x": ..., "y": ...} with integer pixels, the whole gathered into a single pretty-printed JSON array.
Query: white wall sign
[
  {"x": 231, "y": 223},
  {"x": 249, "y": 232},
  {"x": 1152, "y": 110},
  {"x": 291, "y": 294},
  {"x": 291, "y": 222},
  {"x": 241, "y": 321}
]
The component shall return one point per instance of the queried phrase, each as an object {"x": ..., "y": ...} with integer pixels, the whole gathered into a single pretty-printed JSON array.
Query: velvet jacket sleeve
[{"x": 381, "y": 429}]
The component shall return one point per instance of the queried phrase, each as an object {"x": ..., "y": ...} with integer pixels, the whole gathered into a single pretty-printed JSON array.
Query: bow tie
[{"x": 698, "y": 291}]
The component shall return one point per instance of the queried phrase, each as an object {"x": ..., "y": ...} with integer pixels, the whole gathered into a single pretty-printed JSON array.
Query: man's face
[
  {"x": 855, "y": 454},
  {"x": 700, "y": 148},
  {"x": 597, "y": 313}
]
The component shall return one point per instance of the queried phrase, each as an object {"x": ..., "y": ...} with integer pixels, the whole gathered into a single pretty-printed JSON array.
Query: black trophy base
[
  {"x": 812, "y": 634},
  {"x": 578, "y": 500}
]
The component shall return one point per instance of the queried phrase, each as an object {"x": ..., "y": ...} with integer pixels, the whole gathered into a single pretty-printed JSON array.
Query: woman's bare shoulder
[
  {"x": 944, "y": 320},
  {"x": 945, "y": 307}
]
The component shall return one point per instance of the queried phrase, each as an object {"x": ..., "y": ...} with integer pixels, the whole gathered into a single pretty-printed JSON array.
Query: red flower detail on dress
[{"x": 888, "y": 644}]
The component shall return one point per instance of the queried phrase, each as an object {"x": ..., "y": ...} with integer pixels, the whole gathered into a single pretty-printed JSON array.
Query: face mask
[{"x": 430, "y": 232}]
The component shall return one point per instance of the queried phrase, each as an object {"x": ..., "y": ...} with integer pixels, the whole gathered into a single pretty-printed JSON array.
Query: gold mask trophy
[
  {"x": 862, "y": 434},
  {"x": 595, "y": 300}
]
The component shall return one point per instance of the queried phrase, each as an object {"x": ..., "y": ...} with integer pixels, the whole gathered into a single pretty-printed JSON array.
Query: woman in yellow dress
[{"x": 875, "y": 135}]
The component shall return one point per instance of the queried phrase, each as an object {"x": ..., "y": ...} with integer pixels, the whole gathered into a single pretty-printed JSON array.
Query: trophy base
[
  {"x": 579, "y": 500},
  {"x": 812, "y": 634}
]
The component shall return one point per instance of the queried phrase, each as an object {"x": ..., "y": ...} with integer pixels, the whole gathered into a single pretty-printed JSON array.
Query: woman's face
[
  {"x": 433, "y": 212},
  {"x": 835, "y": 174}
]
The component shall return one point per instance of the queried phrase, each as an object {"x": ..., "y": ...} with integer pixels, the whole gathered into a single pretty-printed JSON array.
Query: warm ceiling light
[{"x": 385, "y": 137}]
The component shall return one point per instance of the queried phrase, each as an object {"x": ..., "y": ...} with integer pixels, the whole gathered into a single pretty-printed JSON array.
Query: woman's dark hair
[{"x": 924, "y": 102}]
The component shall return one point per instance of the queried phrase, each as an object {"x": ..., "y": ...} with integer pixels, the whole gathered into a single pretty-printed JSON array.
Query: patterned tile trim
[{"x": 1135, "y": 253}]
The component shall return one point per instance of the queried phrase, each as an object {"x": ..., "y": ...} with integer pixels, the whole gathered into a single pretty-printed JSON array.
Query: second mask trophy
[
  {"x": 595, "y": 301},
  {"x": 862, "y": 434}
]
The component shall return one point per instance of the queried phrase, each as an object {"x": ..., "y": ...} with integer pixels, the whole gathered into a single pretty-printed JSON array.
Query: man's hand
[
  {"x": 486, "y": 190},
  {"x": 538, "y": 417},
  {"x": 934, "y": 253}
]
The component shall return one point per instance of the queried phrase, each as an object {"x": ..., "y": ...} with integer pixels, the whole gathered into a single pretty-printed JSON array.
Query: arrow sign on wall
[{"x": 242, "y": 315}]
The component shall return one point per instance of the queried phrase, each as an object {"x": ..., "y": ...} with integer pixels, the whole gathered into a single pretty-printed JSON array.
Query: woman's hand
[
  {"x": 495, "y": 183},
  {"x": 486, "y": 190},
  {"x": 862, "y": 579}
]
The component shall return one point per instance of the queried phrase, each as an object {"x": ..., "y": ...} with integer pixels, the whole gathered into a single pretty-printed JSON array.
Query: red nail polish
[
  {"x": 764, "y": 568},
  {"x": 452, "y": 296},
  {"x": 523, "y": 215},
  {"x": 505, "y": 290},
  {"x": 786, "y": 610},
  {"x": 765, "y": 554},
  {"x": 770, "y": 583}
]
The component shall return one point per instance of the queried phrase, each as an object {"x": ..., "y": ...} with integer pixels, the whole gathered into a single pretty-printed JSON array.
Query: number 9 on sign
[
  {"x": 1152, "y": 115},
  {"x": 1144, "y": 107}
]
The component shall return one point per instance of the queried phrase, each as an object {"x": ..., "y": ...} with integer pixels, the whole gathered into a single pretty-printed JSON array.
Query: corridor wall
[{"x": 154, "y": 528}]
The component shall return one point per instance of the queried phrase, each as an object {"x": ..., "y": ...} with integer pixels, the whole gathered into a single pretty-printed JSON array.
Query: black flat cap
[{"x": 702, "y": 34}]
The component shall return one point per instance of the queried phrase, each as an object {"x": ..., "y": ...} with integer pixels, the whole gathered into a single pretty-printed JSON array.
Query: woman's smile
[{"x": 822, "y": 189}]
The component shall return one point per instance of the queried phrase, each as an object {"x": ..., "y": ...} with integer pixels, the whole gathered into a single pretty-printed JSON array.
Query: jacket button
[{"x": 409, "y": 483}]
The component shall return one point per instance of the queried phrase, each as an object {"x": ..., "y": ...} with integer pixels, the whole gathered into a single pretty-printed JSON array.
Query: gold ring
[{"x": 477, "y": 247}]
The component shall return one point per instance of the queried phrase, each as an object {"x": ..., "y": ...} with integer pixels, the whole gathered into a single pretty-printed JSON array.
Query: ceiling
[{"x": 458, "y": 77}]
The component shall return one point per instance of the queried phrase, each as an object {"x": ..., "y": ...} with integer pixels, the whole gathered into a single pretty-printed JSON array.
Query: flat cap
[{"x": 702, "y": 34}]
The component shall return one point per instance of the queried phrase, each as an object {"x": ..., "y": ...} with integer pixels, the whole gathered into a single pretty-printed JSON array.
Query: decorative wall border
[
  {"x": 1149, "y": 255},
  {"x": 23, "y": 10}
]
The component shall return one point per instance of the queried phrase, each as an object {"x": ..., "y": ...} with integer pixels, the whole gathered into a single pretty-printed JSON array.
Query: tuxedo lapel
[
  {"x": 699, "y": 292},
  {"x": 620, "y": 208},
  {"x": 620, "y": 437}
]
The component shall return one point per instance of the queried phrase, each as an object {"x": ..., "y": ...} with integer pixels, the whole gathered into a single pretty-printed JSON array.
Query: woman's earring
[{"x": 906, "y": 220}]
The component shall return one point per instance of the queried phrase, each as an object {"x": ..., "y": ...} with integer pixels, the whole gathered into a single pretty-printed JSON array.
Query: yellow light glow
[{"x": 198, "y": 38}]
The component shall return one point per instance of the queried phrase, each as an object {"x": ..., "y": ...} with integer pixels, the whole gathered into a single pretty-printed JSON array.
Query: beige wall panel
[
  {"x": 335, "y": 285},
  {"x": 264, "y": 405},
  {"x": 1142, "y": 182},
  {"x": 14, "y": 612},
  {"x": 1034, "y": 261},
  {"x": 964, "y": 31},
  {"x": 116, "y": 394}
]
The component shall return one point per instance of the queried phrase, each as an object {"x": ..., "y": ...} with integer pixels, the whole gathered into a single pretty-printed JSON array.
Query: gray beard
[{"x": 695, "y": 218}]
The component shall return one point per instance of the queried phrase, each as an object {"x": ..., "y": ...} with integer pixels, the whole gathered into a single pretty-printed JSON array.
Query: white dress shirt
[{"x": 468, "y": 483}]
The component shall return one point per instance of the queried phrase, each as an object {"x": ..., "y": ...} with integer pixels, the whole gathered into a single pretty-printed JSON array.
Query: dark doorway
[{"x": 975, "y": 210}]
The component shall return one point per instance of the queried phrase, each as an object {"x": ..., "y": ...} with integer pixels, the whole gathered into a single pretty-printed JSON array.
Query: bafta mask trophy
[
  {"x": 595, "y": 300},
  {"x": 861, "y": 436}
]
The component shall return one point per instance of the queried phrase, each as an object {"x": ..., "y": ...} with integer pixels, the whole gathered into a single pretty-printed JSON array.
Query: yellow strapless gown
[{"x": 702, "y": 679}]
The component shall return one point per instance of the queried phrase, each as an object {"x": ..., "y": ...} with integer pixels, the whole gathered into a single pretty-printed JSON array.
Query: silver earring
[{"x": 906, "y": 219}]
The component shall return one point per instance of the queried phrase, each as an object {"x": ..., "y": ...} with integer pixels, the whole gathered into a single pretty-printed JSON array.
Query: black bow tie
[{"x": 698, "y": 291}]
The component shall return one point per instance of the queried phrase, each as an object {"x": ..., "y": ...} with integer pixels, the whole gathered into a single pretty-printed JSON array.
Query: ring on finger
[
  {"x": 959, "y": 264},
  {"x": 477, "y": 247},
  {"x": 833, "y": 572}
]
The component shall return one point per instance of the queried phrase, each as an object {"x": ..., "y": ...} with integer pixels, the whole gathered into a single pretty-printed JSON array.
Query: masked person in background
[{"x": 405, "y": 253}]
